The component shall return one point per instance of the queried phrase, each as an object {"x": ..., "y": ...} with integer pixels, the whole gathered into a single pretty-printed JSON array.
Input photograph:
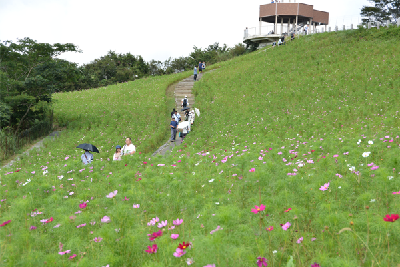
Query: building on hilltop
[{"x": 285, "y": 18}]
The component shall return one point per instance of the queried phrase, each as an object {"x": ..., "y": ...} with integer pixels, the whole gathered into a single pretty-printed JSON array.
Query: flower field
[{"x": 293, "y": 162}]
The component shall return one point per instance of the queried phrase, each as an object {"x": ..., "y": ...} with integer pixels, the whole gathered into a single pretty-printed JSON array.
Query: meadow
[{"x": 292, "y": 162}]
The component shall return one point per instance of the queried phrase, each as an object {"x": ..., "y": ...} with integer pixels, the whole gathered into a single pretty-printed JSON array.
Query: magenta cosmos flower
[
  {"x": 258, "y": 208},
  {"x": 252, "y": 170},
  {"x": 210, "y": 265},
  {"x": 261, "y": 262},
  {"x": 83, "y": 205},
  {"x": 64, "y": 252},
  {"x": 152, "y": 249},
  {"x": 315, "y": 265}
]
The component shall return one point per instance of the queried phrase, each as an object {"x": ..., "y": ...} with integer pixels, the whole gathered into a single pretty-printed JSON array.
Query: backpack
[{"x": 185, "y": 102}]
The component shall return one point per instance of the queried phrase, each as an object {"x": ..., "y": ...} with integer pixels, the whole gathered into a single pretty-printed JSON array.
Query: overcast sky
[{"x": 154, "y": 29}]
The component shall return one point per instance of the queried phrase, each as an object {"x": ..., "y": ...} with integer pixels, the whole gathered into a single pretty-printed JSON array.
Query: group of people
[
  {"x": 202, "y": 67},
  {"x": 281, "y": 41},
  {"x": 176, "y": 118},
  {"x": 127, "y": 149}
]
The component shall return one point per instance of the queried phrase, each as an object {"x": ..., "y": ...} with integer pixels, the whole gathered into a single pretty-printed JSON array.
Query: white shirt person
[{"x": 128, "y": 148}]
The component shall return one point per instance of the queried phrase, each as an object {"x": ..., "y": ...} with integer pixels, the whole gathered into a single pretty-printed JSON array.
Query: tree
[
  {"x": 381, "y": 10},
  {"x": 25, "y": 87}
]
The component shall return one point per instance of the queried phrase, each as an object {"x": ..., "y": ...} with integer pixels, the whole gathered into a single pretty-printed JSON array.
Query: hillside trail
[
  {"x": 182, "y": 89},
  {"x": 38, "y": 145}
]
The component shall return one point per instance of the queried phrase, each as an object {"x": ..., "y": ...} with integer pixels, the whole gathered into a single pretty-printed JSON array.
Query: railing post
[
  {"x": 330, "y": 29},
  {"x": 369, "y": 25},
  {"x": 378, "y": 24},
  {"x": 344, "y": 27},
  {"x": 352, "y": 26}
]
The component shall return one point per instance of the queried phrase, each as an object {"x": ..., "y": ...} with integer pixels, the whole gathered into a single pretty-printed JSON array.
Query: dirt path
[
  {"x": 36, "y": 145},
  {"x": 182, "y": 89}
]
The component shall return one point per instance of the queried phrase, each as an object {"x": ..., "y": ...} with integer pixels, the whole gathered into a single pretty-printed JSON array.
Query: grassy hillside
[{"x": 286, "y": 128}]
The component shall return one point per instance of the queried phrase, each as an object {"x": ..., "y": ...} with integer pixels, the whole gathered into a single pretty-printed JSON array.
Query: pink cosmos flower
[
  {"x": 210, "y": 265},
  {"x": 126, "y": 199},
  {"x": 324, "y": 187},
  {"x": 97, "y": 239},
  {"x": 32, "y": 228},
  {"x": 81, "y": 225},
  {"x": 270, "y": 228},
  {"x": 396, "y": 193},
  {"x": 136, "y": 206},
  {"x": 65, "y": 252},
  {"x": 72, "y": 257},
  {"x": 83, "y": 205},
  {"x": 57, "y": 225},
  {"x": 371, "y": 164},
  {"x": 286, "y": 226},
  {"x": 105, "y": 219},
  {"x": 162, "y": 224},
  {"x": 336, "y": 155},
  {"x": 261, "y": 262},
  {"x": 5, "y": 223},
  {"x": 299, "y": 240},
  {"x": 258, "y": 208},
  {"x": 152, "y": 249},
  {"x": 315, "y": 265},
  {"x": 313, "y": 239},
  {"x": 174, "y": 236},
  {"x": 161, "y": 165},
  {"x": 252, "y": 170},
  {"x": 178, "y": 221},
  {"x": 179, "y": 252},
  {"x": 112, "y": 194}
]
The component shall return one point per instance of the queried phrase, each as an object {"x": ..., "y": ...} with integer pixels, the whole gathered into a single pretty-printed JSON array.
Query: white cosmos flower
[
  {"x": 372, "y": 200},
  {"x": 217, "y": 203},
  {"x": 370, "y": 142},
  {"x": 212, "y": 180},
  {"x": 352, "y": 168},
  {"x": 390, "y": 177},
  {"x": 275, "y": 251},
  {"x": 366, "y": 154}
]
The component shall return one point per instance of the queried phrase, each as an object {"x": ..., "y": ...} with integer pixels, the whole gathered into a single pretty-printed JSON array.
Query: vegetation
[
  {"x": 293, "y": 160},
  {"x": 382, "y": 11}
]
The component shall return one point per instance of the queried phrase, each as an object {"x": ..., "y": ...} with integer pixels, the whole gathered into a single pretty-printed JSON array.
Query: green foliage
[
  {"x": 307, "y": 109},
  {"x": 381, "y": 10}
]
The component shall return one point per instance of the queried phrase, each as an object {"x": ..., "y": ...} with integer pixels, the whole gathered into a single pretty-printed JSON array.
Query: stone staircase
[{"x": 182, "y": 89}]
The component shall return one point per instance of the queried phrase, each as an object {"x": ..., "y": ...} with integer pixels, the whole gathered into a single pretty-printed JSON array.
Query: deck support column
[
  {"x": 297, "y": 19},
  {"x": 281, "y": 25},
  {"x": 288, "y": 26},
  {"x": 259, "y": 24},
  {"x": 276, "y": 24}
]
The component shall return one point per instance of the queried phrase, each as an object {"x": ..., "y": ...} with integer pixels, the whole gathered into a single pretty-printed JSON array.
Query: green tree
[{"x": 381, "y": 10}]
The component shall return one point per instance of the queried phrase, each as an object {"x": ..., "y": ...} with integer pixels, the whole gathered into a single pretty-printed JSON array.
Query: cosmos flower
[{"x": 258, "y": 209}]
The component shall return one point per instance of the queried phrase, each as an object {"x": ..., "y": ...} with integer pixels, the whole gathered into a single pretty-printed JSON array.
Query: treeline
[{"x": 30, "y": 73}]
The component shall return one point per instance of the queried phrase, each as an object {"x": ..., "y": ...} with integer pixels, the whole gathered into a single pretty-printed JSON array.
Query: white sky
[{"x": 154, "y": 29}]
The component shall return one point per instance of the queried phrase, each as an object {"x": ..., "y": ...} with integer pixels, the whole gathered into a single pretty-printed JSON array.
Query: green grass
[{"x": 312, "y": 100}]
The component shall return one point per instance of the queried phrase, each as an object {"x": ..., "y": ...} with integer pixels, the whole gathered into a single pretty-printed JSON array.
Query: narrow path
[
  {"x": 182, "y": 89},
  {"x": 36, "y": 145}
]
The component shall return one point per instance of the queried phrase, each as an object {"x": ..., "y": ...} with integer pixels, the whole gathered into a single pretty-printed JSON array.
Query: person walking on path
[
  {"x": 204, "y": 66},
  {"x": 185, "y": 102},
  {"x": 173, "y": 112},
  {"x": 174, "y": 126},
  {"x": 177, "y": 116},
  {"x": 195, "y": 73},
  {"x": 200, "y": 67}
]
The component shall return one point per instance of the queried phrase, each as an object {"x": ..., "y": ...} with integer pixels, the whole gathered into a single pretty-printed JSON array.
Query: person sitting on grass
[
  {"x": 117, "y": 155},
  {"x": 128, "y": 148},
  {"x": 174, "y": 127},
  {"x": 87, "y": 157}
]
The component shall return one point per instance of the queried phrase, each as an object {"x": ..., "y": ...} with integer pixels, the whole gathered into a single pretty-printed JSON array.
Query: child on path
[{"x": 174, "y": 127}]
